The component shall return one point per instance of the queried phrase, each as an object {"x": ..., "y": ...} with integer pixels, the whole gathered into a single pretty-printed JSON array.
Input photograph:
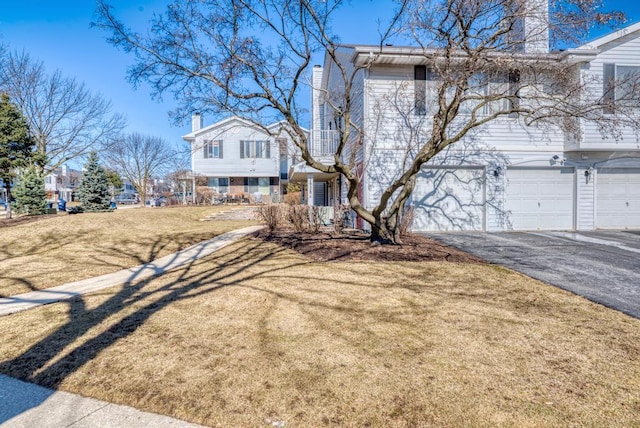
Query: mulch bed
[
  {"x": 330, "y": 246},
  {"x": 15, "y": 221}
]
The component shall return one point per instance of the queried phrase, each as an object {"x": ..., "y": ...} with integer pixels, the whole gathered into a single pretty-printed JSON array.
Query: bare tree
[
  {"x": 179, "y": 174},
  {"x": 253, "y": 57},
  {"x": 139, "y": 158},
  {"x": 66, "y": 119}
]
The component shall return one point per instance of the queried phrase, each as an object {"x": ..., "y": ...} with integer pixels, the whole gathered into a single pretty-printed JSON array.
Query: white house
[
  {"x": 62, "y": 183},
  {"x": 241, "y": 159},
  {"x": 505, "y": 176}
]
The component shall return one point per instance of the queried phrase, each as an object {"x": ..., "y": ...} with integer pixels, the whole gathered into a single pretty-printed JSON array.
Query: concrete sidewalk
[
  {"x": 25, "y": 405},
  {"x": 21, "y": 302}
]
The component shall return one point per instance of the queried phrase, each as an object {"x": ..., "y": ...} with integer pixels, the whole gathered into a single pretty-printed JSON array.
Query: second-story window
[
  {"x": 255, "y": 149},
  {"x": 420, "y": 83},
  {"x": 621, "y": 84},
  {"x": 213, "y": 149}
]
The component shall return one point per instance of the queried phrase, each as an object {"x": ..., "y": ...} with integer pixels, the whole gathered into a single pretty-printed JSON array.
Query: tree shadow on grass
[
  {"x": 49, "y": 361},
  {"x": 71, "y": 346},
  {"x": 102, "y": 259}
]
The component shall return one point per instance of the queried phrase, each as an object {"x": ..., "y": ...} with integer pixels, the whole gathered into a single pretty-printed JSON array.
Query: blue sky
[{"x": 59, "y": 34}]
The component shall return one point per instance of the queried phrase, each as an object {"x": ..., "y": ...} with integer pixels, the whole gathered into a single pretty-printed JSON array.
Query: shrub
[
  {"x": 292, "y": 198},
  {"x": 298, "y": 217},
  {"x": 408, "y": 214},
  {"x": 29, "y": 193},
  {"x": 271, "y": 215},
  {"x": 339, "y": 214},
  {"x": 315, "y": 218}
]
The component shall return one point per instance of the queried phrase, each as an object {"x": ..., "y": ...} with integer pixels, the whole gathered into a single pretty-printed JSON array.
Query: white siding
[
  {"x": 624, "y": 51},
  {"x": 390, "y": 92},
  {"x": 494, "y": 206},
  {"x": 231, "y": 164},
  {"x": 585, "y": 204},
  {"x": 447, "y": 199}
]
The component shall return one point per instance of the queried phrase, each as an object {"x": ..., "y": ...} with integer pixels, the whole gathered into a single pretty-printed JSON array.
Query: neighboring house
[
  {"x": 241, "y": 159},
  {"x": 62, "y": 183},
  {"x": 506, "y": 176}
]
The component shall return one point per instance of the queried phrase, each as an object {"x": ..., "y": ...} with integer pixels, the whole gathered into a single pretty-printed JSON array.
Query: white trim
[
  {"x": 241, "y": 122},
  {"x": 618, "y": 34}
]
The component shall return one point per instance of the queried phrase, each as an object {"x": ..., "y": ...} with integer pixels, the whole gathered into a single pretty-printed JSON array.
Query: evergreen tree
[
  {"x": 115, "y": 181},
  {"x": 31, "y": 198},
  {"x": 16, "y": 145},
  {"x": 94, "y": 189}
]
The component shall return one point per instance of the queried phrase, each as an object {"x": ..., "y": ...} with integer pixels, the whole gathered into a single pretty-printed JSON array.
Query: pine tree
[
  {"x": 94, "y": 189},
  {"x": 16, "y": 145},
  {"x": 31, "y": 198}
]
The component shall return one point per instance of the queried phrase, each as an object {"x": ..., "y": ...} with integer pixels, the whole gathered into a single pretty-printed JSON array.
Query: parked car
[
  {"x": 126, "y": 198},
  {"x": 158, "y": 202}
]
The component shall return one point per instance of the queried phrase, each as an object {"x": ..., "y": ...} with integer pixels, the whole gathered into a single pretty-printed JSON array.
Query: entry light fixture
[
  {"x": 497, "y": 171},
  {"x": 587, "y": 173}
]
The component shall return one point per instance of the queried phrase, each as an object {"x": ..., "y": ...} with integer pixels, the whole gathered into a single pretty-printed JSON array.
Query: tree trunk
[
  {"x": 8, "y": 201},
  {"x": 385, "y": 231}
]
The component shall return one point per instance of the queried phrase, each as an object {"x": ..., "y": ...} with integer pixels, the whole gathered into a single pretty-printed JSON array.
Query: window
[
  {"x": 250, "y": 149},
  {"x": 250, "y": 184},
  {"x": 258, "y": 184},
  {"x": 220, "y": 184},
  {"x": 620, "y": 85},
  {"x": 420, "y": 79},
  {"x": 486, "y": 92},
  {"x": 322, "y": 116},
  {"x": 284, "y": 158},
  {"x": 213, "y": 149},
  {"x": 476, "y": 95}
]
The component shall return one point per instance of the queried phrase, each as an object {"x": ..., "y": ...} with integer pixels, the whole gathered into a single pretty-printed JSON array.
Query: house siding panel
[
  {"x": 585, "y": 194},
  {"x": 231, "y": 164},
  {"x": 623, "y": 51},
  {"x": 390, "y": 90}
]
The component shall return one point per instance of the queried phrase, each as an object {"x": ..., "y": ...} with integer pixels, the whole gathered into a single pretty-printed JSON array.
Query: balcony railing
[{"x": 324, "y": 142}]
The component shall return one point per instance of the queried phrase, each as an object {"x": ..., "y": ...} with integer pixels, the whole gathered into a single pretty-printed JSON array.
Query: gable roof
[
  {"x": 235, "y": 121},
  {"x": 618, "y": 34},
  {"x": 223, "y": 123}
]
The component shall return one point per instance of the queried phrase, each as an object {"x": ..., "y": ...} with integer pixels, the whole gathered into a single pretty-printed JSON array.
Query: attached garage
[
  {"x": 447, "y": 199},
  {"x": 540, "y": 198},
  {"x": 618, "y": 198}
]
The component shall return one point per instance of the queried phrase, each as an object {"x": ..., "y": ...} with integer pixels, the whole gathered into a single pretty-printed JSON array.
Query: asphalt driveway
[{"x": 603, "y": 266}]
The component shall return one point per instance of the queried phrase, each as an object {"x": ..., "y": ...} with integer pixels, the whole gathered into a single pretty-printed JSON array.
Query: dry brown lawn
[
  {"x": 256, "y": 335},
  {"x": 61, "y": 249}
]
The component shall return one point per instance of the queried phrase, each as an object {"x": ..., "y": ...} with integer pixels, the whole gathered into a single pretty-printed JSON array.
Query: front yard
[
  {"x": 61, "y": 249},
  {"x": 258, "y": 335}
]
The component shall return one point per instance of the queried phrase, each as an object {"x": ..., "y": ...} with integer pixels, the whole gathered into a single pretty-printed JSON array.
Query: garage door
[
  {"x": 449, "y": 199},
  {"x": 618, "y": 198},
  {"x": 539, "y": 198}
]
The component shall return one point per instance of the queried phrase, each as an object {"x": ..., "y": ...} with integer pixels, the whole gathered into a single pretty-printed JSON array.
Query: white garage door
[
  {"x": 618, "y": 198},
  {"x": 539, "y": 198},
  {"x": 449, "y": 199}
]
